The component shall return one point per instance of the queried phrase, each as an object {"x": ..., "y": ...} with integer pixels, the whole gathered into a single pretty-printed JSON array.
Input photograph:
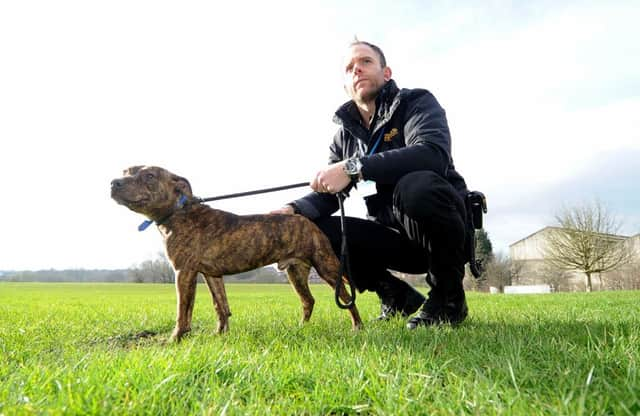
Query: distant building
[
  {"x": 634, "y": 242},
  {"x": 528, "y": 253}
]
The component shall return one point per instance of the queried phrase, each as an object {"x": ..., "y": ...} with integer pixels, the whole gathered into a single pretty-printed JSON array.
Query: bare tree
[
  {"x": 586, "y": 241},
  {"x": 556, "y": 277},
  {"x": 501, "y": 271},
  {"x": 157, "y": 270}
]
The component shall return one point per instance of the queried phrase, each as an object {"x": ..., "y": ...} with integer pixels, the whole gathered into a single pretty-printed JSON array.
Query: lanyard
[{"x": 375, "y": 145}]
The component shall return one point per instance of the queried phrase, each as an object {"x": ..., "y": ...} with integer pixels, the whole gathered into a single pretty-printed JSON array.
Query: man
[{"x": 400, "y": 140}]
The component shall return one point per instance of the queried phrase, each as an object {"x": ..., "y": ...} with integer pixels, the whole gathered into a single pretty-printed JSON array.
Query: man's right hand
[{"x": 287, "y": 210}]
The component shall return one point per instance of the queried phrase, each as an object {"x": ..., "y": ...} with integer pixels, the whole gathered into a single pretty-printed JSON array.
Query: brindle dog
[{"x": 200, "y": 239}]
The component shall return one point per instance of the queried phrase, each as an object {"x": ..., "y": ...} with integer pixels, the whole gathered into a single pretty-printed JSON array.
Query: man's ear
[{"x": 387, "y": 73}]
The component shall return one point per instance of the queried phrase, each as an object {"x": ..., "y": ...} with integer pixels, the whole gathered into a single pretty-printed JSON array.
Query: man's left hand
[{"x": 331, "y": 179}]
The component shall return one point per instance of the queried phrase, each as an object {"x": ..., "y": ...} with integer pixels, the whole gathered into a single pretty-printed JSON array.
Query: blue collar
[{"x": 146, "y": 223}]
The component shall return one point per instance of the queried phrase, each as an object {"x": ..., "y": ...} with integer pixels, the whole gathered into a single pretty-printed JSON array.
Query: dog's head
[{"x": 150, "y": 190}]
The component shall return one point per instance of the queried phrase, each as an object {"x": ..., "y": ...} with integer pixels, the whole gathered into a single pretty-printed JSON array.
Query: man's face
[{"x": 364, "y": 75}]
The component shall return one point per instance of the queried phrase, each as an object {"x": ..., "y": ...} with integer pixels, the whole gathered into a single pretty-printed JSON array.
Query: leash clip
[{"x": 183, "y": 200}]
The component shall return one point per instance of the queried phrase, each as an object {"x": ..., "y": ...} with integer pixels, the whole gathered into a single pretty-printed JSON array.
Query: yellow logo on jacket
[{"x": 389, "y": 136}]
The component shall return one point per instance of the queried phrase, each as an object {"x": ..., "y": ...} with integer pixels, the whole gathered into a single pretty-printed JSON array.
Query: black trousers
[{"x": 428, "y": 236}]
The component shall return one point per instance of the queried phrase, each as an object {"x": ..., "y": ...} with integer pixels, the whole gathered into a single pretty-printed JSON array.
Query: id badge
[{"x": 367, "y": 188}]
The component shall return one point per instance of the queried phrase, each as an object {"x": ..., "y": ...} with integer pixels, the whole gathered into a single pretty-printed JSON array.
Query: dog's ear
[
  {"x": 183, "y": 186},
  {"x": 132, "y": 170}
]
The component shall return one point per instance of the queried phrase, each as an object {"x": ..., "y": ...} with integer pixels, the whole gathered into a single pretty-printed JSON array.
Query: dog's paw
[
  {"x": 222, "y": 327},
  {"x": 178, "y": 334}
]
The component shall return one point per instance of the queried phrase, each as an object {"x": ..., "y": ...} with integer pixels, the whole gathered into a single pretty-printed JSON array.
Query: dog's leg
[
  {"x": 220, "y": 302},
  {"x": 328, "y": 267},
  {"x": 298, "y": 275},
  {"x": 186, "y": 293}
]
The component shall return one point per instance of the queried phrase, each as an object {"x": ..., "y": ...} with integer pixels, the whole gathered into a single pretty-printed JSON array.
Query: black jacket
[{"x": 415, "y": 136}]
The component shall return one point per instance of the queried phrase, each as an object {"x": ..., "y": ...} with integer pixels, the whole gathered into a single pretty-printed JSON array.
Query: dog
[{"x": 200, "y": 239}]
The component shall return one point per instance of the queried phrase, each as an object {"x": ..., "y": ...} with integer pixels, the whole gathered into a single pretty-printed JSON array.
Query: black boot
[
  {"x": 445, "y": 305},
  {"x": 397, "y": 297}
]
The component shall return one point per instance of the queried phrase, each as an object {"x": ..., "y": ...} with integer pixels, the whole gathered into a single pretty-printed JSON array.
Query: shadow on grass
[
  {"x": 146, "y": 337},
  {"x": 474, "y": 334}
]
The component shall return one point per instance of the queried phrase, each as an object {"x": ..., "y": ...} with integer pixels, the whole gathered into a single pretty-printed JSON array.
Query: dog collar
[{"x": 146, "y": 223}]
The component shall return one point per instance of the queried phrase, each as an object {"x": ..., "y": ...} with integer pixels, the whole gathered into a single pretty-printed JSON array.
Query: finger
[
  {"x": 315, "y": 184},
  {"x": 287, "y": 210}
]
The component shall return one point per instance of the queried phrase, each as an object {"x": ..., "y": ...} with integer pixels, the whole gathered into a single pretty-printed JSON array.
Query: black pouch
[{"x": 476, "y": 205}]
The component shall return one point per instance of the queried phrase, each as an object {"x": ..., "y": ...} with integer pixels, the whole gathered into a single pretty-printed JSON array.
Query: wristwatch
[{"x": 353, "y": 167}]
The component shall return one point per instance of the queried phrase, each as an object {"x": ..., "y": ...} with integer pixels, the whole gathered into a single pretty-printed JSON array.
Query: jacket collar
[{"x": 387, "y": 101}]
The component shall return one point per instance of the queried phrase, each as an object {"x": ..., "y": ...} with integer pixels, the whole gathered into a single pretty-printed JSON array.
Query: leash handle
[{"x": 345, "y": 268}]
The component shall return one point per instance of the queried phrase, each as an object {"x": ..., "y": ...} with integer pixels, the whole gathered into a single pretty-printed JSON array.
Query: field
[{"x": 75, "y": 349}]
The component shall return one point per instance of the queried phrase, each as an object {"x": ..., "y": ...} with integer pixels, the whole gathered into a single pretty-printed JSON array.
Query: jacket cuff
[
  {"x": 363, "y": 170},
  {"x": 305, "y": 208}
]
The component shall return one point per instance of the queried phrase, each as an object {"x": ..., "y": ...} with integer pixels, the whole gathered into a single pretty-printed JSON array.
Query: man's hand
[
  {"x": 331, "y": 179},
  {"x": 287, "y": 210}
]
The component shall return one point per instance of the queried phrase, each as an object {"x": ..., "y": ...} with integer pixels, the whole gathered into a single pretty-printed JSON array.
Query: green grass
[{"x": 72, "y": 349}]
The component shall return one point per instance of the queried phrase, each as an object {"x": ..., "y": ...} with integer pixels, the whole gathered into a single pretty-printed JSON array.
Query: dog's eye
[{"x": 149, "y": 176}]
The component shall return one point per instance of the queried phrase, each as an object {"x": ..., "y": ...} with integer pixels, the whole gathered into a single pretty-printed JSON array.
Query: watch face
[
  {"x": 348, "y": 167},
  {"x": 351, "y": 167}
]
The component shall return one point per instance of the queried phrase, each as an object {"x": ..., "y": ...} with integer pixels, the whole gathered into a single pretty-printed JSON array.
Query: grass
[{"x": 74, "y": 349}]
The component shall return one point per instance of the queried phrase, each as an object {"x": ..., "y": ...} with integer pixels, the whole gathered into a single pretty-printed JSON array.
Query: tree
[
  {"x": 153, "y": 271},
  {"x": 484, "y": 248},
  {"x": 501, "y": 271},
  {"x": 557, "y": 278},
  {"x": 586, "y": 241}
]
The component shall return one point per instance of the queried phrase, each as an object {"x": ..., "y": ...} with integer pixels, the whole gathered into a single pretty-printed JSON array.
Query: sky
[{"x": 542, "y": 98}]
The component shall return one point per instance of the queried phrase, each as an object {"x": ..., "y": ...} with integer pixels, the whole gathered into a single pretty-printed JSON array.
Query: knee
[
  {"x": 423, "y": 194},
  {"x": 330, "y": 226}
]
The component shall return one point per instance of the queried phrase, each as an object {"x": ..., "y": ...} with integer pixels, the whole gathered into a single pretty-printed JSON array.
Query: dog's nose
[{"x": 116, "y": 183}]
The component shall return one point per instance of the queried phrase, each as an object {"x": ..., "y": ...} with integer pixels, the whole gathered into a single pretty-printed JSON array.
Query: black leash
[
  {"x": 345, "y": 268},
  {"x": 259, "y": 191}
]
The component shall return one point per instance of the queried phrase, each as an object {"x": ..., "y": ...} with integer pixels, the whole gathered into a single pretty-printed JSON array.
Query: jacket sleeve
[
  {"x": 427, "y": 144},
  {"x": 315, "y": 204}
]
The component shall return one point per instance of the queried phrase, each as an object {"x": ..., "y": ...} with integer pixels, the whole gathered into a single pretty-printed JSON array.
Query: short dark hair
[{"x": 383, "y": 60}]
